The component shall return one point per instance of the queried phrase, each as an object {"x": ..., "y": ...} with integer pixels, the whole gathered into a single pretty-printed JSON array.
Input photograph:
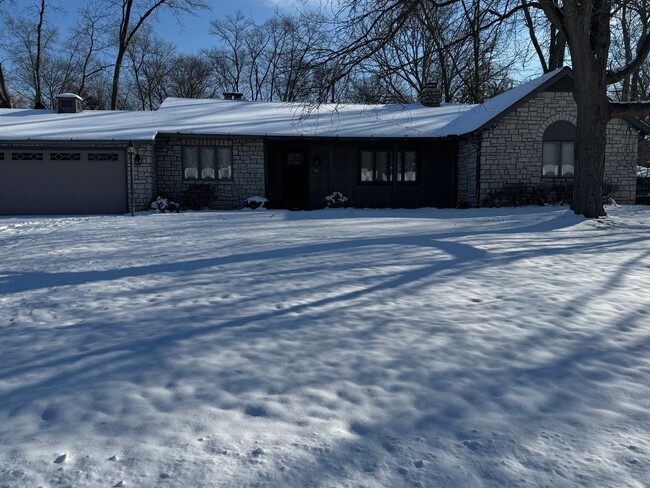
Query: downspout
[
  {"x": 330, "y": 165},
  {"x": 478, "y": 170},
  {"x": 456, "y": 162}
]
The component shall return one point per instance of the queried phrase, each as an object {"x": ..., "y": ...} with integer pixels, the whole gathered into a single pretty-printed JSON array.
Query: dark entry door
[{"x": 295, "y": 179}]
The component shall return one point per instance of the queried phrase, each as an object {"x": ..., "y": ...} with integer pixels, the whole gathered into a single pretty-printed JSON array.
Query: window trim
[
  {"x": 199, "y": 166},
  {"x": 374, "y": 151}
]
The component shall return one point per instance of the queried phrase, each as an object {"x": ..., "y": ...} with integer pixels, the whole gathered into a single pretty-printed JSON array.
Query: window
[
  {"x": 375, "y": 166},
  {"x": 2, "y": 156},
  {"x": 407, "y": 167},
  {"x": 64, "y": 156},
  {"x": 27, "y": 156},
  {"x": 558, "y": 149},
  {"x": 103, "y": 157},
  {"x": 207, "y": 163}
]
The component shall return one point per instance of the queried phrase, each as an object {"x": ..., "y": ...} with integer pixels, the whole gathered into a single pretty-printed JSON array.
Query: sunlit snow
[{"x": 377, "y": 348}]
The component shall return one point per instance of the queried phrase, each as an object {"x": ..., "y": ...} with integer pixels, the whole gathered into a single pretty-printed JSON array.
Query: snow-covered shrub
[
  {"x": 336, "y": 200},
  {"x": 199, "y": 197},
  {"x": 256, "y": 202},
  {"x": 162, "y": 205}
]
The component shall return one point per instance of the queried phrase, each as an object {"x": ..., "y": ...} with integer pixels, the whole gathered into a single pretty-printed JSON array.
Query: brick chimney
[
  {"x": 68, "y": 103},
  {"x": 430, "y": 95},
  {"x": 233, "y": 96}
]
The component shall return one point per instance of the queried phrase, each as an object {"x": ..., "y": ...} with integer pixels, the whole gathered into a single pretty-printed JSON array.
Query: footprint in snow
[
  {"x": 472, "y": 445},
  {"x": 119, "y": 484},
  {"x": 113, "y": 457},
  {"x": 255, "y": 411},
  {"x": 49, "y": 414},
  {"x": 60, "y": 459},
  {"x": 257, "y": 452}
]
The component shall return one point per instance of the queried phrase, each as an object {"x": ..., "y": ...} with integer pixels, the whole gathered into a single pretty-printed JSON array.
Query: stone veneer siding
[
  {"x": 247, "y": 165},
  {"x": 145, "y": 177},
  {"x": 644, "y": 152},
  {"x": 511, "y": 151},
  {"x": 466, "y": 177}
]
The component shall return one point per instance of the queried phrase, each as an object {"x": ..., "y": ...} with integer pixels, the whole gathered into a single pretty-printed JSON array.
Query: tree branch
[{"x": 642, "y": 52}]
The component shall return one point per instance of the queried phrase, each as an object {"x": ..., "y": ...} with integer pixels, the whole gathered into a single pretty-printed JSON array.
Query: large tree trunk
[
  {"x": 115, "y": 89},
  {"x": 592, "y": 111},
  {"x": 5, "y": 100},
  {"x": 589, "y": 58}
]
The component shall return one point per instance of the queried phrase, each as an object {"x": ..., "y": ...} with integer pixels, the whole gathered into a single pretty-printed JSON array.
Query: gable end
[{"x": 564, "y": 84}]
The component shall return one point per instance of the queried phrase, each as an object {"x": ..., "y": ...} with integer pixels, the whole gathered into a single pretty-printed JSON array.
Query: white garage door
[{"x": 62, "y": 182}]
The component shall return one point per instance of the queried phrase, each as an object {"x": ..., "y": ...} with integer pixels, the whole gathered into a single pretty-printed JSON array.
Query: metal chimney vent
[{"x": 233, "y": 96}]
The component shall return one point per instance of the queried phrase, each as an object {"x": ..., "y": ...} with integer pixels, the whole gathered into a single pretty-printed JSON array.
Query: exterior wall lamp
[{"x": 133, "y": 158}]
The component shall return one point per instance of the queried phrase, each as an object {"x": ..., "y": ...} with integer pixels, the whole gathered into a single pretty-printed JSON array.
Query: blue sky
[{"x": 193, "y": 33}]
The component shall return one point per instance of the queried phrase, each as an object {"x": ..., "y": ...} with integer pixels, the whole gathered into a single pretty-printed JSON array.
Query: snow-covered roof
[
  {"x": 68, "y": 95},
  {"x": 246, "y": 118}
]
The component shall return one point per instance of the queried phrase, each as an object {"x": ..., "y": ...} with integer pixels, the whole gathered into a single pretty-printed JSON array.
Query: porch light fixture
[{"x": 131, "y": 155}]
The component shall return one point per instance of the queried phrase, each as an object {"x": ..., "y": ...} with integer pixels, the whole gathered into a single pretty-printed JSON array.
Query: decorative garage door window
[
  {"x": 55, "y": 155},
  {"x": 103, "y": 157},
  {"x": 207, "y": 163},
  {"x": 27, "y": 156},
  {"x": 65, "y": 156}
]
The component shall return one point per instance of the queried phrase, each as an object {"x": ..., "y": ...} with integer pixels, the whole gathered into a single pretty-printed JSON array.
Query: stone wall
[
  {"x": 145, "y": 176},
  {"x": 466, "y": 176},
  {"x": 511, "y": 151},
  {"x": 247, "y": 165},
  {"x": 644, "y": 153},
  {"x": 621, "y": 159}
]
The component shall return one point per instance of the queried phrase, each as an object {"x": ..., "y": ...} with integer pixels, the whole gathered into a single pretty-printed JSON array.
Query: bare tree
[
  {"x": 274, "y": 60},
  {"x": 133, "y": 14},
  {"x": 90, "y": 42},
  {"x": 5, "y": 98},
  {"x": 191, "y": 77},
  {"x": 31, "y": 43},
  {"x": 232, "y": 59},
  {"x": 586, "y": 26},
  {"x": 150, "y": 62}
]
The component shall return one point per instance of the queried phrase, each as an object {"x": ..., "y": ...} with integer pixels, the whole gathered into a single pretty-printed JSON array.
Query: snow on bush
[
  {"x": 336, "y": 200},
  {"x": 162, "y": 205},
  {"x": 255, "y": 202}
]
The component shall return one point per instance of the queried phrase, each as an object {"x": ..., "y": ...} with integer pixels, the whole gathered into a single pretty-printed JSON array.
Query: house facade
[{"x": 418, "y": 155}]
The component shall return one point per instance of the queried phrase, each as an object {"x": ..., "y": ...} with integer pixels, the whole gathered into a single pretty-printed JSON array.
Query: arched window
[{"x": 558, "y": 153}]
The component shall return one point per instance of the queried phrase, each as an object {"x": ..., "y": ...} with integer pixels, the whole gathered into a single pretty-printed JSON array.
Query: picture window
[{"x": 207, "y": 163}]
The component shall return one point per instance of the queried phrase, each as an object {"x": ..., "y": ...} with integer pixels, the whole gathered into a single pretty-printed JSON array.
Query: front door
[{"x": 295, "y": 179}]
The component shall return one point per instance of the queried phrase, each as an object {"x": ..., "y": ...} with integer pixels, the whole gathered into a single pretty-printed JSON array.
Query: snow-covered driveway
[{"x": 442, "y": 348}]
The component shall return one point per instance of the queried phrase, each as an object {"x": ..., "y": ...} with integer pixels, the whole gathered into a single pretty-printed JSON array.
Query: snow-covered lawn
[{"x": 441, "y": 348}]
